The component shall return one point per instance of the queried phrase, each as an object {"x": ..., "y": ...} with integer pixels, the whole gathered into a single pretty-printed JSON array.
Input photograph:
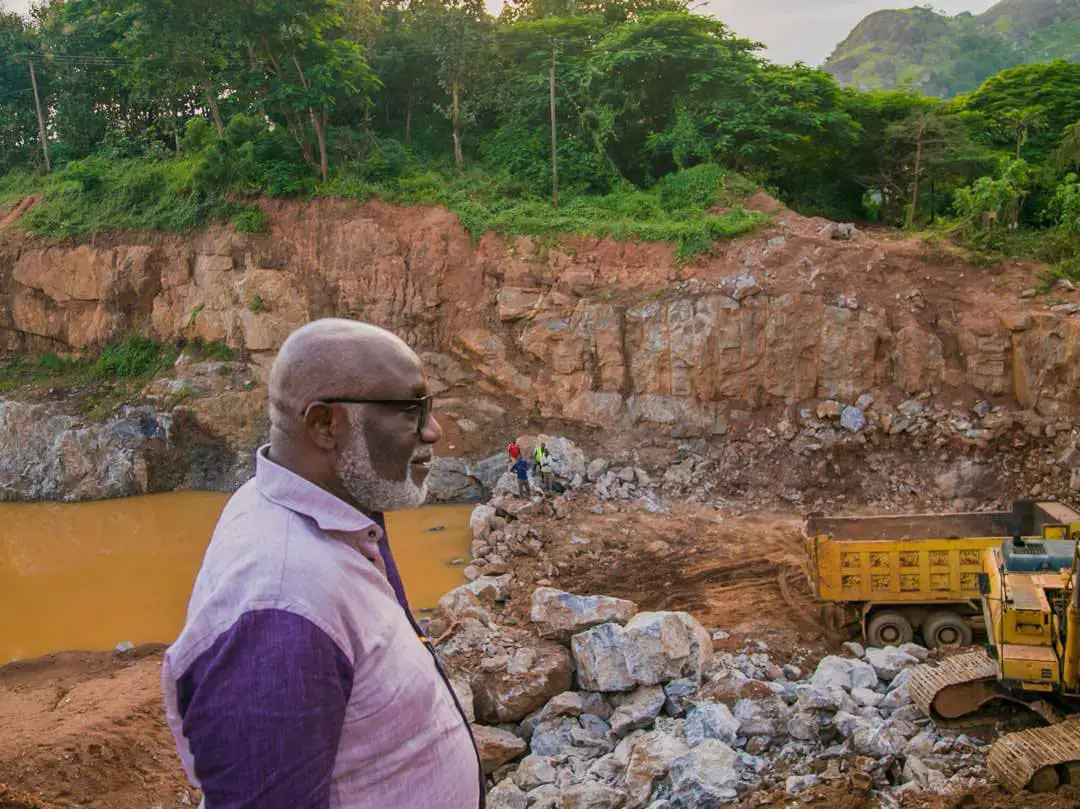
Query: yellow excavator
[{"x": 1031, "y": 607}]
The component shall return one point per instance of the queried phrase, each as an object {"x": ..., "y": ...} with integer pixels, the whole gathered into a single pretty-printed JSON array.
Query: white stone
[
  {"x": 534, "y": 771},
  {"x": 665, "y": 646},
  {"x": 854, "y": 649},
  {"x": 889, "y": 662},
  {"x": 866, "y": 698},
  {"x": 601, "y": 660},
  {"x": 561, "y": 614},
  {"x": 705, "y": 776},
  {"x": 711, "y": 720},
  {"x": 649, "y": 760},
  {"x": 506, "y": 795},
  {"x": 637, "y": 709},
  {"x": 479, "y": 521}
]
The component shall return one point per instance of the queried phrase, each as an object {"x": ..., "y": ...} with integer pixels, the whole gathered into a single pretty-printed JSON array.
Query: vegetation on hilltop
[
  {"x": 634, "y": 118},
  {"x": 921, "y": 49}
]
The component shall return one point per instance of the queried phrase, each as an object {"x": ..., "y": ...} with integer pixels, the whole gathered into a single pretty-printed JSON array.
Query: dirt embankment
[{"x": 88, "y": 729}]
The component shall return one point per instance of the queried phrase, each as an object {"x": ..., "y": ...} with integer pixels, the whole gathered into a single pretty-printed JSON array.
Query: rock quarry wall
[{"x": 591, "y": 332}]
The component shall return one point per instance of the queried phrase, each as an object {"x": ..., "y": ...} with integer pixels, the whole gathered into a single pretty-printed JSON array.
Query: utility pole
[
  {"x": 40, "y": 120},
  {"x": 554, "y": 134}
]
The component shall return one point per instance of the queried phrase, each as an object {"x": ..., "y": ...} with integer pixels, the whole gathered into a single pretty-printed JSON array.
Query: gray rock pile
[{"x": 605, "y": 707}]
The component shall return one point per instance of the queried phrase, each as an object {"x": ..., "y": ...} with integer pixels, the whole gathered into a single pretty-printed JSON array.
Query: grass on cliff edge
[
  {"x": 113, "y": 377},
  {"x": 97, "y": 195}
]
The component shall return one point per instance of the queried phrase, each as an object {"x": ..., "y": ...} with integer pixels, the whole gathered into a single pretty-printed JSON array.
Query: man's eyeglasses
[{"x": 421, "y": 407}]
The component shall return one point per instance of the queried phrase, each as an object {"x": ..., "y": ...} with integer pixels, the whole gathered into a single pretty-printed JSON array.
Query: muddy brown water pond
[{"x": 90, "y": 575}]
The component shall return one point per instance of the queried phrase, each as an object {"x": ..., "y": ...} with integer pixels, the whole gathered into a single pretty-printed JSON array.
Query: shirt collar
[{"x": 332, "y": 514}]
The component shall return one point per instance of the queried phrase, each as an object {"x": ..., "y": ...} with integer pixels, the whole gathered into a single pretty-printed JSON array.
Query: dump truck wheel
[
  {"x": 889, "y": 629},
  {"x": 946, "y": 630}
]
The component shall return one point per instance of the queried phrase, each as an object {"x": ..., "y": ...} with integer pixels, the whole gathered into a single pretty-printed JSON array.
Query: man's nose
[{"x": 431, "y": 432}]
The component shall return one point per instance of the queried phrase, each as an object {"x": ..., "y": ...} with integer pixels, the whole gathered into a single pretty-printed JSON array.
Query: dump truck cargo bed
[{"x": 922, "y": 558}]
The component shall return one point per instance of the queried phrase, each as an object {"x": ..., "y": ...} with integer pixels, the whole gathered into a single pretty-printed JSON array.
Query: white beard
[{"x": 367, "y": 488}]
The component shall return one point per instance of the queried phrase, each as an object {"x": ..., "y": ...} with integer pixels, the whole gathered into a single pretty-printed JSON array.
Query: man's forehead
[{"x": 398, "y": 373}]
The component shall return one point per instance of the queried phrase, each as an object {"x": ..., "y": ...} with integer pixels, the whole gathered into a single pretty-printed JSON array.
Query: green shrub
[
  {"x": 136, "y": 357},
  {"x": 251, "y": 219}
]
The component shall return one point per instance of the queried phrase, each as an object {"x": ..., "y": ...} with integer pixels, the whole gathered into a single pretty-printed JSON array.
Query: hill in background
[{"x": 945, "y": 56}]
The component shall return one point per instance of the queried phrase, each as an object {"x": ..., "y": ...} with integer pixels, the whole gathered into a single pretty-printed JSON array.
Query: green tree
[
  {"x": 1029, "y": 105},
  {"x": 458, "y": 32}
]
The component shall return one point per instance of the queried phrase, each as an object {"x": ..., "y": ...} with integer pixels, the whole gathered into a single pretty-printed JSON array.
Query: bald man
[{"x": 300, "y": 680}]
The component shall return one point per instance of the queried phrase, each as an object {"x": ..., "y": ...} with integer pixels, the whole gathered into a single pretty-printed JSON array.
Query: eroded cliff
[{"x": 590, "y": 333}]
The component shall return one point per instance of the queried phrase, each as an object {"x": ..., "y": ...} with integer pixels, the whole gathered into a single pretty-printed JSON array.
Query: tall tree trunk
[
  {"x": 1019, "y": 140},
  {"x": 915, "y": 184},
  {"x": 455, "y": 122},
  {"x": 41, "y": 121},
  {"x": 554, "y": 133},
  {"x": 408, "y": 121},
  {"x": 215, "y": 113},
  {"x": 318, "y": 123}
]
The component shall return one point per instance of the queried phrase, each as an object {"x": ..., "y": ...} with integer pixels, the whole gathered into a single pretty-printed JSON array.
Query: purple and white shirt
[{"x": 299, "y": 679}]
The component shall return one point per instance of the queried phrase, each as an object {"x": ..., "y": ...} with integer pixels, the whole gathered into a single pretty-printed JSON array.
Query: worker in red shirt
[{"x": 513, "y": 450}]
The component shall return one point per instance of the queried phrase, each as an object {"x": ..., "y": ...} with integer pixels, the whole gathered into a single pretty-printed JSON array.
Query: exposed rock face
[
  {"x": 609, "y": 335},
  {"x": 680, "y": 362}
]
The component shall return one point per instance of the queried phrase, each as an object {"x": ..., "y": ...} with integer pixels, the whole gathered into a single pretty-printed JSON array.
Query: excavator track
[
  {"x": 1038, "y": 759},
  {"x": 957, "y": 686}
]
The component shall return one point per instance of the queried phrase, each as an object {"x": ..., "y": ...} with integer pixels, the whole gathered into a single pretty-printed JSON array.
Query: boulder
[
  {"x": 665, "y": 646},
  {"x": 706, "y": 776},
  {"x": 920, "y": 653},
  {"x": 854, "y": 649},
  {"x": 506, "y": 795},
  {"x": 463, "y": 692},
  {"x": 496, "y": 746},
  {"x": 461, "y": 603},
  {"x": 832, "y": 671},
  {"x": 711, "y": 720},
  {"x": 924, "y": 777},
  {"x": 889, "y": 662},
  {"x": 762, "y": 717},
  {"x": 863, "y": 675},
  {"x": 490, "y": 589},
  {"x": 650, "y": 759},
  {"x": 680, "y": 695},
  {"x": 572, "y": 703},
  {"x": 546, "y": 796},
  {"x": 525, "y": 682},
  {"x": 533, "y": 771},
  {"x": 592, "y": 795},
  {"x": 852, "y": 419},
  {"x": 479, "y": 521},
  {"x": 866, "y": 697},
  {"x": 876, "y": 742},
  {"x": 804, "y": 726},
  {"x": 600, "y": 659},
  {"x": 559, "y": 614},
  {"x": 637, "y": 709},
  {"x": 596, "y": 468}
]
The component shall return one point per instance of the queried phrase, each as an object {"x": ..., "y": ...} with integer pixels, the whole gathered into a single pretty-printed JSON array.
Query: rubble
[{"x": 645, "y": 727}]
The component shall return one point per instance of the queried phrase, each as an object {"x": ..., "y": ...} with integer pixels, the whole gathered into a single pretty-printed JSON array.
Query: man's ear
[{"x": 323, "y": 424}]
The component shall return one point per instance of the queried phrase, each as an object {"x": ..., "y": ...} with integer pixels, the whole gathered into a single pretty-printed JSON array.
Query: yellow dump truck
[{"x": 893, "y": 576}]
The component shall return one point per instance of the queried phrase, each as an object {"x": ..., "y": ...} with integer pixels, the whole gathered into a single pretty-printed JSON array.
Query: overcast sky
[{"x": 792, "y": 30}]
